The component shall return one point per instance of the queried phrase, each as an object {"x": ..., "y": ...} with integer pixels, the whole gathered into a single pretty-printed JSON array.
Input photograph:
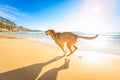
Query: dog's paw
[
  {"x": 64, "y": 54},
  {"x": 65, "y": 51},
  {"x": 80, "y": 57},
  {"x": 68, "y": 55}
]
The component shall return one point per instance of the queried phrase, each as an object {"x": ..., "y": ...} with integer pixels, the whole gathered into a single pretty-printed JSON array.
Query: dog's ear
[{"x": 52, "y": 30}]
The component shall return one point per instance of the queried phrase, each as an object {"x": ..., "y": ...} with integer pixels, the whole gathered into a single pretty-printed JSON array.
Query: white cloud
[
  {"x": 10, "y": 12},
  {"x": 7, "y": 15}
]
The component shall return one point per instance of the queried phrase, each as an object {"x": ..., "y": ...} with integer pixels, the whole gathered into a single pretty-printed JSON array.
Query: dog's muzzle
[{"x": 46, "y": 33}]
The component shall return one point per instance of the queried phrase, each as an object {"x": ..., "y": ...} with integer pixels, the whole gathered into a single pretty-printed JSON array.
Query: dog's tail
[{"x": 89, "y": 38}]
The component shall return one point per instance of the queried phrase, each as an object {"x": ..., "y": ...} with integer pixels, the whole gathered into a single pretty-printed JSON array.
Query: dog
[{"x": 68, "y": 37}]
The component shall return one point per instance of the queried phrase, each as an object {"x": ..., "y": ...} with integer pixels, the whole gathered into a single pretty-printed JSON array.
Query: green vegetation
[{"x": 7, "y": 25}]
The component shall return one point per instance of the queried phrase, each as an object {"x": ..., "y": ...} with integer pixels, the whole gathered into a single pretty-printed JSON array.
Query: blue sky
[{"x": 64, "y": 15}]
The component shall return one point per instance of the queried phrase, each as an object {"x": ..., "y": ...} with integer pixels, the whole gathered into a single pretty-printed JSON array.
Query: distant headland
[{"x": 9, "y": 26}]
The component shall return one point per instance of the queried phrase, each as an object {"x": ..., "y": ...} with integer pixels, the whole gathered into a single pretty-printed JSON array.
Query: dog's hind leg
[
  {"x": 70, "y": 44},
  {"x": 75, "y": 48}
]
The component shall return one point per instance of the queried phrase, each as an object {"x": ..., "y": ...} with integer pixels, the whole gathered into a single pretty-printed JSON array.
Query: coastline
[
  {"x": 106, "y": 42},
  {"x": 18, "y": 54}
]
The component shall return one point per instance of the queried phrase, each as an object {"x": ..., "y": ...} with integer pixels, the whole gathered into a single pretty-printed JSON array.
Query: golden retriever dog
[{"x": 67, "y": 37}]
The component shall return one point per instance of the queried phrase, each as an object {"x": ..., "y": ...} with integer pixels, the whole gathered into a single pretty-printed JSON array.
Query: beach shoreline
[
  {"x": 18, "y": 55},
  {"x": 106, "y": 42}
]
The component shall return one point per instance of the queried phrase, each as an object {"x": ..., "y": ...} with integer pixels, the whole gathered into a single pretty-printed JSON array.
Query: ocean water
[{"x": 106, "y": 42}]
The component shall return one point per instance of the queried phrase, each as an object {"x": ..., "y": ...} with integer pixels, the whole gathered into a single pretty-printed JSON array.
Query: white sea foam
[{"x": 107, "y": 42}]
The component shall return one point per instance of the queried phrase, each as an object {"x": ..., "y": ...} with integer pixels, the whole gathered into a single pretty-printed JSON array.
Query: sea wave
[{"x": 111, "y": 40}]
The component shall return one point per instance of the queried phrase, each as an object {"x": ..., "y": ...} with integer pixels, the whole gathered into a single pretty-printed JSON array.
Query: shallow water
[{"x": 106, "y": 42}]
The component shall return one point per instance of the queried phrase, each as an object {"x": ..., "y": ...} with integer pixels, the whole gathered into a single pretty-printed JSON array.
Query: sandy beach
[{"x": 22, "y": 59}]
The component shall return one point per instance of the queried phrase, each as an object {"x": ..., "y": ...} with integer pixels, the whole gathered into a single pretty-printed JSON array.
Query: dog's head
[{"x": 49, "y": 32}]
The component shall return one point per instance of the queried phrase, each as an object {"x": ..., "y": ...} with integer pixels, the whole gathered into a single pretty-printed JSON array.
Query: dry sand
[{"x": 22, "y": 59}]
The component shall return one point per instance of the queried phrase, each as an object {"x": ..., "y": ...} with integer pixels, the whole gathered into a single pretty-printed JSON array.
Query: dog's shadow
[
  {"x": 27, "y": 73},
  {"x": 52, "y": 74}
]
